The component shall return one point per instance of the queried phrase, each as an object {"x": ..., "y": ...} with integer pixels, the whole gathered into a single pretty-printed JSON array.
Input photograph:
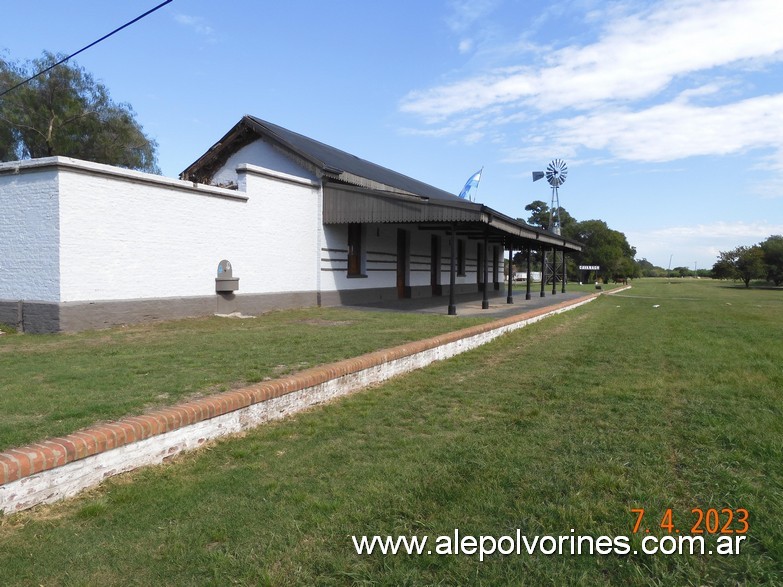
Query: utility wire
[{"x": 103, "y": 38}]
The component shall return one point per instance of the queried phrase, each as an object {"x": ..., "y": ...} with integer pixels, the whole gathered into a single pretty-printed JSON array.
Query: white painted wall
[
  {"x": 123, "y": 240},
  {"x": 381, "y": 254},
  {"x": 77, "y": 231},
  {"x": 284, "y": 239},
  {"x": 29, "y": 233},
  {"x": 134, "y": 237}
]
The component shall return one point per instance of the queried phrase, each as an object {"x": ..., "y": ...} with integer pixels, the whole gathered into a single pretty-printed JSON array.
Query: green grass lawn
[
  {"x": 55, "y": 384},
  {"x": 667, "y": 396}
]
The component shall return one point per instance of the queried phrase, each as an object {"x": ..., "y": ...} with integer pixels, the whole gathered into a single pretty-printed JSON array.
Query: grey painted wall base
[
  {"x": 11, "y": 313},
  {"x": 33, "y": 317},
  {"x": 42, "y": 317}
]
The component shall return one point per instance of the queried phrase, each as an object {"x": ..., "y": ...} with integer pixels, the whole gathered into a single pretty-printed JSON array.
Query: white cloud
[
  {"x": 635, "y": 57},
  {"x": 718, "y": 230},
  {"x": 700, "y": 242},
  {"x": 197, "y": 23},
  {"x": 600, "y": 96},
  {"x": 468, "y": 20},
  {"x": 677, "y": 129},
  {"x": 465, "y": 13}
]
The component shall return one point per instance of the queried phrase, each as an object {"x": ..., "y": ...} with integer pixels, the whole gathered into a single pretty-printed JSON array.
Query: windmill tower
[{"x": 555, "y": 174}]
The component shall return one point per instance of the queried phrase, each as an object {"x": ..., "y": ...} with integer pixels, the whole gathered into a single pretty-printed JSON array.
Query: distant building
[
  {"x": 522, "y": 276},
  {"x": 295, "y": 222}
]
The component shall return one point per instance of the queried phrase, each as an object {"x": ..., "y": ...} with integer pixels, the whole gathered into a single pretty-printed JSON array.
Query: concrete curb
[{"x": 57, "y": 468}]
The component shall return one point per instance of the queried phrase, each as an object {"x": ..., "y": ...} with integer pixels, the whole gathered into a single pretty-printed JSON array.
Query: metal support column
[
  {"x": 527, "y": 286},
  {"x": 453, "y": 272},
  {"x": 510, "y": 296},
  {"x": 543, "y": 271},
  {"x": 485, "y": 298},
  {"x": 554, "y": 271}
]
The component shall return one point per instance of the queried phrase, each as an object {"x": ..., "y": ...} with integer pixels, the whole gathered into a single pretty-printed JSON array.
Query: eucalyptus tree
[{"x": 65, "y": 111}]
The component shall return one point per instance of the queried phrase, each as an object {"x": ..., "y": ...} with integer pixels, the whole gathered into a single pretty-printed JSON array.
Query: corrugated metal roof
[
  {"x": 380, "y": 194},
  {"x": 342, "y": 165},
  {"x": 345, "y": 204}
]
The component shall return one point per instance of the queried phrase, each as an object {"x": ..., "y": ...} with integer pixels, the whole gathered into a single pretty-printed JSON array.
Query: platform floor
[{"x": 470, "y": 304}]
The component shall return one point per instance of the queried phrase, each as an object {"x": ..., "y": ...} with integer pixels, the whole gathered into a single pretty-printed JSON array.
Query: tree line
[{"x": 610, "y": 250}]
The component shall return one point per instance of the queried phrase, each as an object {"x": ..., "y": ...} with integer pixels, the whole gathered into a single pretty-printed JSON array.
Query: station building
[{"x": 266, "y": 219}]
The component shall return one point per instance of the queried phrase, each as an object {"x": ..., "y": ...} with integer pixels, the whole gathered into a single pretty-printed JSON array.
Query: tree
[
  {"x": 605, "y": 247},
  {"x": 745, "y": 263},
  {"x": 724, "y": 267},
  {"x": 540, "y": 215},
  {"x": 773, "y": 258},
  {"x": 647, "y": 269},
  {"x": 66, "y": 112},
  {"x": 682, "y": 272},
  {"x": 750, "y": 263}
]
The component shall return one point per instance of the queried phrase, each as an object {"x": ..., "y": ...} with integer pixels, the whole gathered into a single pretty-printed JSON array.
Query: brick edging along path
[{"x": 53, "y": 469}]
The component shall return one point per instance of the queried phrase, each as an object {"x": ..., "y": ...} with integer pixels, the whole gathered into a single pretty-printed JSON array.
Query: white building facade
[{"x": 85, "y": 245}]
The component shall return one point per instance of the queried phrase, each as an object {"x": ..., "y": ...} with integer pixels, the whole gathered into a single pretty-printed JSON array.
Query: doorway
[
  {"x": 435, "y": 265},
  {"x": 402, "y": 264}
]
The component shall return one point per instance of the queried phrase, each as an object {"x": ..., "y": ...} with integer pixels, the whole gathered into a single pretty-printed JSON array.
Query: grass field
[
  {"x": 665, "y": 397},
  {"x": 55, "y": 384}
]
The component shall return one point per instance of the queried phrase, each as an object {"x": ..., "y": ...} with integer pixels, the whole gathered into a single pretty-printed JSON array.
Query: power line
[{"x": 103, "y": 38}]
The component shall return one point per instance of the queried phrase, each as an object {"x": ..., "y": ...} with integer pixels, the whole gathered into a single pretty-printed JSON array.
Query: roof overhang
[{"x": 347, "y": 204}]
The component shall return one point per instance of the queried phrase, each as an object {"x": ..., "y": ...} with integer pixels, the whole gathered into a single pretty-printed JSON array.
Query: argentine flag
[{"x": 471, "y": 183}]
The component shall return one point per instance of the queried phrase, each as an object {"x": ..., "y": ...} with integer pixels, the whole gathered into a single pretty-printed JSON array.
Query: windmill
[{"x": 555, "y": 174}]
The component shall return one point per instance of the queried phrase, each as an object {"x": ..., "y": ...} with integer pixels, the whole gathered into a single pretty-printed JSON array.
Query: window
[{"x": 355, "y": 252}]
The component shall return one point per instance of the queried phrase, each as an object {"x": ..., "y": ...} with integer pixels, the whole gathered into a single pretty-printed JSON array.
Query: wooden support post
[
  {"x": 485, "y": 298},
  {"x": 510, "y": 296},
  {"x": 453, "y": 272}
]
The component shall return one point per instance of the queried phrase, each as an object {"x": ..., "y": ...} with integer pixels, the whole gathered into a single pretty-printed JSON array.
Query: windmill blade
[{"x": 556, "y": 172}]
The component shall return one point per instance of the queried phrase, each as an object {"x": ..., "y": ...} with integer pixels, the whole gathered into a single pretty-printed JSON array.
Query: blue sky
[{"x": 668, "y": 113}]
